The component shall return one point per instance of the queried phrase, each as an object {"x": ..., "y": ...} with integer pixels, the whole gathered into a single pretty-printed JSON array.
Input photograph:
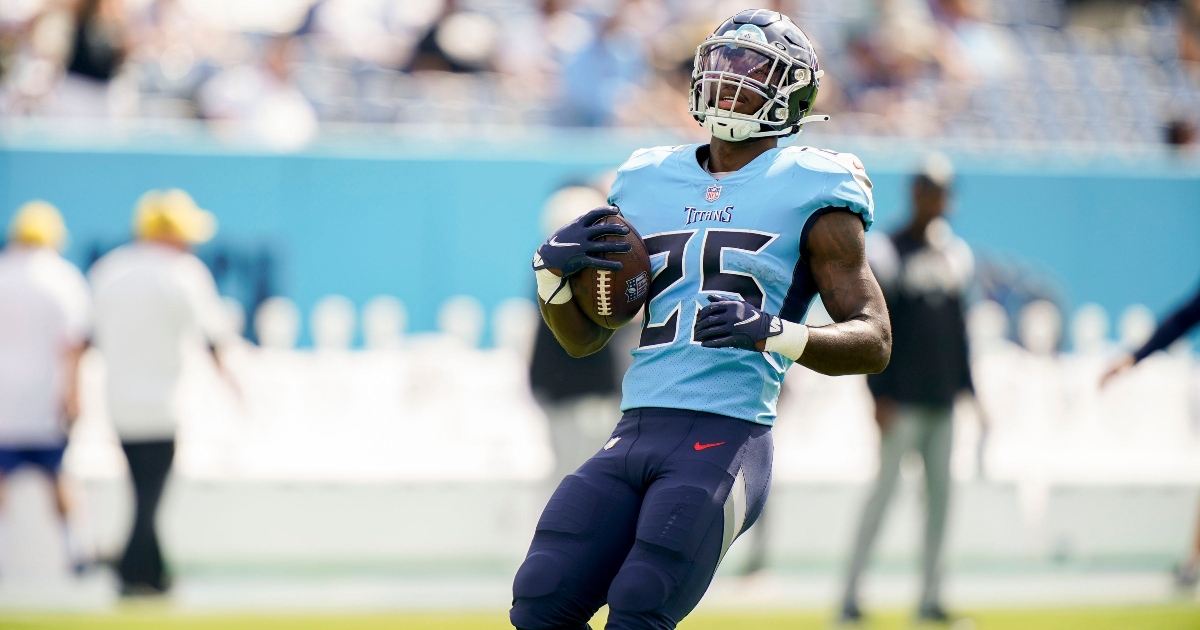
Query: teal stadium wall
[{"x": 424, "y": 220}]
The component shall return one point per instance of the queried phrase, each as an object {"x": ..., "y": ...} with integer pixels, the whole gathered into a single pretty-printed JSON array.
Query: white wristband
[
  {"x": 551, "y": 288},
  {"x": 790, "y": 343}
]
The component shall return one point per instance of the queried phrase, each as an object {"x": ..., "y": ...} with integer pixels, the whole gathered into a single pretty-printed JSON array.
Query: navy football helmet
[{"x": 757, "y": 75}]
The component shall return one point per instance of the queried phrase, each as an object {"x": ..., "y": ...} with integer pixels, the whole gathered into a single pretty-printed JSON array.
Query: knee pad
[
  {"x": 638, "y": 588},
  {"x": 522, "y": 619},
  {"x": 540, "y": 575}
]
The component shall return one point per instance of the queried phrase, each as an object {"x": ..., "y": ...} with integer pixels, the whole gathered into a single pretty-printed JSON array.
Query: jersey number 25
[{"x": 714, "y": 277}]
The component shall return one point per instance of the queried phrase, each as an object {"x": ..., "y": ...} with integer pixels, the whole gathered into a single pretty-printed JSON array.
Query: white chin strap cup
[
  {"x": 735, "y": 130},
  {"x": 729, "y": 129}
]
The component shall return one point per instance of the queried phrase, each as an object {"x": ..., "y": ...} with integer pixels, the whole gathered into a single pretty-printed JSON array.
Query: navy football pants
[{"x": 644, "y": 523}]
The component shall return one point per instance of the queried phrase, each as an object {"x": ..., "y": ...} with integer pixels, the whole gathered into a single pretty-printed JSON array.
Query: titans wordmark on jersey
[{"x": 739, "y": 237}]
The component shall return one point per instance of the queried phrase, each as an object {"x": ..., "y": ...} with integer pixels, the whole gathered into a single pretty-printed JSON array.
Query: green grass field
[{"x": 1177, "y": 617}]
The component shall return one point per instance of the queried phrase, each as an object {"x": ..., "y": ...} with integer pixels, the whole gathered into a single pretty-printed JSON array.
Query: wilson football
[{"x": 613, "y": 298}]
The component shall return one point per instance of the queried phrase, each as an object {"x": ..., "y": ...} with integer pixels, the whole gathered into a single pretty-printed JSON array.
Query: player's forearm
[
  {"x": 575, "y": 332},
  {"x": 71, "y": 393},
  {"x": 859, "y": 345},
  {"x": 1176, "y": 325},
  {"x": 860, "y": 340}
]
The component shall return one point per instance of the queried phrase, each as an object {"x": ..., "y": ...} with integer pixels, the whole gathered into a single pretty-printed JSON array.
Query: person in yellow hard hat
[
  {"x": 154, "y": 298},
  {"x": 45, "y": 321},
  {"x": 172, "y": 217},
  {"x": 38, "y": 224}
]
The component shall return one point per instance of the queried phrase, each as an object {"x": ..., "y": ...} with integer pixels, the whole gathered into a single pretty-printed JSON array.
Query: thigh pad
[
  {"x": 572, "y": 507},
  {"x": 677, "y": 518}
]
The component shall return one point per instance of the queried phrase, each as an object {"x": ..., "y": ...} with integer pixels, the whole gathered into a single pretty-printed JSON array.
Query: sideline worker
[{"x": 153, "y": 298}]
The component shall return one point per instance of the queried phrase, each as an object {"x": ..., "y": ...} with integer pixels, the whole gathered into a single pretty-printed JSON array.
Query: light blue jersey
[{"x": 739, "y": 236}]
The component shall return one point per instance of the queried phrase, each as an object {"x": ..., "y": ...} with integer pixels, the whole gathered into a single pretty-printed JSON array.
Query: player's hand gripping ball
[
  {"x": 735, "y": 324},
  {"x": 580, "y": 245},
  {"x": 612, "y": 298},
  {"x": 606, "y": 263}
]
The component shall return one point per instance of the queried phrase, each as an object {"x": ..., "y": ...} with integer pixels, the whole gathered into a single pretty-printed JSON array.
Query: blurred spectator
[
  {"x": 1180, "y": 134},
  {"x": 459, "y": 41},
  {"x": 1102, "y": 14},
  {"x": 663, "y": 99},
  {"x": 1172, "y": 328},
  {"x": 889, "y": 54},
  {"x": 972, "y": 49},
  {"x": 604, "y": 73},
  {"x": 176, "y": 51},
  {"x": 377, "y": 33},
  {"x": 924, "y": 270},
  {"x": 261, "y": 102},
  {"x": 36, "y": 43},
  {"x": 535, "y": 44},
  {"x": 155, "y": 302},
  {"x": 1189, "y": 30},
  {"x": 100, "y": 44},
  {"x": 915, "y": 68},
  {"x": 45, "y": 319}
]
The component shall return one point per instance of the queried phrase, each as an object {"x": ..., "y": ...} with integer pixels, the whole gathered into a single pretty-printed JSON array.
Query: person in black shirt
[
  {"x": 459, "y": 41},
  {"x": 924, "y": 271},
  {"x": 580, "y": 397},
  {"x": 99, "y": 44},
  {"x": 1176, "y": 325},
  {"x": 99, "y": 48}
]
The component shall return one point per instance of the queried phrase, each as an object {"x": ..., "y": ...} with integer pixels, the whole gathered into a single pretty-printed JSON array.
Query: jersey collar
[
  {"x": 692, "y": 169},
  {"x": 701, "y": 181}
]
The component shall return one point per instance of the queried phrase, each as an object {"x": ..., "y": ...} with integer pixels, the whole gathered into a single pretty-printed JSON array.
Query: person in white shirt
[
  {"x": 45, "y": 314},
  {"x": 153, "y": 299}
]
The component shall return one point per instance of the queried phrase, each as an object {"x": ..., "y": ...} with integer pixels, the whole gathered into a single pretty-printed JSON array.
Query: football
[{"x": 613, "y": 298}]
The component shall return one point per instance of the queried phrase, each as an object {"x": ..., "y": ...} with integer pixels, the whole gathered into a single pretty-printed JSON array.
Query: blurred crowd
[{"x": 1087, "y": 71}]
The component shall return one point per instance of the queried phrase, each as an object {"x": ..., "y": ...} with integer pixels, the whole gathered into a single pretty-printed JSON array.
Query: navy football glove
[
  {"x": 573, "y": 248},
  {"x": 734, "y": 324}
]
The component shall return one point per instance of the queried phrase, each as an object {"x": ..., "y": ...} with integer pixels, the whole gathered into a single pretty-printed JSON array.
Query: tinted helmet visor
[{"x": 733, "y": 59}]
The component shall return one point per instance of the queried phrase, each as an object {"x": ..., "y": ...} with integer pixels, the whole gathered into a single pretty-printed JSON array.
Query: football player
[
  {"x": 1170, "y": 330},
  {"x": 742, "y": 235}
]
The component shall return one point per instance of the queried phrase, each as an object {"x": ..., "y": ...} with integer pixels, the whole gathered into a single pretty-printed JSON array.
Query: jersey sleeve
[
  {"x": 70, "y": 292},
  {"x": 621, "y": 180},
  {"x": 642, "y": 158},
  {"x": 204, "y": 302},
  {"x": 78, "y": 305},
  {"x": 614, "y": 191},
  {"x": 849, "y": 187},
  {"x": 1176, "y": 325}
]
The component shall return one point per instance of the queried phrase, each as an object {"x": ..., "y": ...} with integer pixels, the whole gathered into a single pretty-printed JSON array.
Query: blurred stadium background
[{"x": 380, "y": 170}]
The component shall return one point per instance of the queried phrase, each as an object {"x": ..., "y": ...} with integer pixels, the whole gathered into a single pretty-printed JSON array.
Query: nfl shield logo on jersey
[{"x": 713, "y": 193}]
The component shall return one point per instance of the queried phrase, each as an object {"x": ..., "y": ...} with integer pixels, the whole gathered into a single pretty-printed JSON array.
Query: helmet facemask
[{"x": 743, "y": 87}]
